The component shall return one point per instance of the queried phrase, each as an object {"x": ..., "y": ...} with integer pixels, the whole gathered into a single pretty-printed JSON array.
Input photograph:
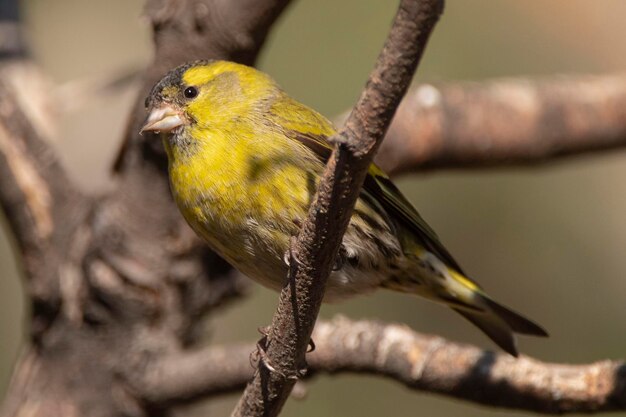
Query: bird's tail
[
  {"x": 500, "y": 324},
  {"x": 495, "y": 320}
]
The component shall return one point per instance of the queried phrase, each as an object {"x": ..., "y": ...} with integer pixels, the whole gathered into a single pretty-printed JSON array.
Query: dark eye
[{"x": 190, "y": 92}]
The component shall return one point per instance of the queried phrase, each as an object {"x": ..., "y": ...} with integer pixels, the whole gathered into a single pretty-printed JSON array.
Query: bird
[{"x": 244, "y": 161}]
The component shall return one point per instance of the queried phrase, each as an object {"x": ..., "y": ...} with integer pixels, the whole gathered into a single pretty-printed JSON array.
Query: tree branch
[
  {"x": 119, "y": 280},
  {"x": 505, "y": 122},
  {"x": 313, "y": 253},
  {"x": 42, "y": 206},
  {"x": 422, "y": 363}
]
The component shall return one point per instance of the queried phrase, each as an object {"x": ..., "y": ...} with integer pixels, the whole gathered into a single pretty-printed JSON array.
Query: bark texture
[
  {"x": 314, "y": 251},
  {"x": 420, "y": 362},
  {"x": 114, "y": 281}
]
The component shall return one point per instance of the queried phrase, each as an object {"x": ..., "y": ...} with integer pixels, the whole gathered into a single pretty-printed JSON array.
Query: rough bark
[
  {"x": 420, "y": 362},
  {"x": 314, "y": 251},
  {"x": 118, "y": 280}
]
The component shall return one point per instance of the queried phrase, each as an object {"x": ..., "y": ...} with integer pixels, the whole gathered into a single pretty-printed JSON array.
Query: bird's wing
[
  {"x": 313, "y": 130},
  {"x": 378, "y": 184}
]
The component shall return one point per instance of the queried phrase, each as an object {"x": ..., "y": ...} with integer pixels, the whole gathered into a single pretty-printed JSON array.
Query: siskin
[{"x": 244, "y": 162}]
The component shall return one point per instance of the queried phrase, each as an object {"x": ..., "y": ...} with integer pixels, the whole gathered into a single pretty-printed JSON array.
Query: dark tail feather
[
  {"x": 494, "y": 327},
  {"x": 517, "y": 323},
  {"x": 499, "y": 323}
]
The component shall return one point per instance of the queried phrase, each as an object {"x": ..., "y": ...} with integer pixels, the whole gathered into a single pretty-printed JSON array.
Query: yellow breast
[{"x": 244, "y": 193}]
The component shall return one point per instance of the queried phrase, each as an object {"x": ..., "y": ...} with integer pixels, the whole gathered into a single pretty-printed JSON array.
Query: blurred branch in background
[
  {"x": 421, "y": 362},
  {"x": 505, "y": 122}
]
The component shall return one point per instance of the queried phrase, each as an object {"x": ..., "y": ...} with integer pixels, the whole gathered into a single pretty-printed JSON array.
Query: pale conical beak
[{"x": 163, "y": 119}]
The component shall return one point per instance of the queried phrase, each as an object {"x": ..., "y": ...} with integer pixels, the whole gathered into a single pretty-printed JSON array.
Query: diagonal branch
[
  {"x": 505, "y": 122},
  {"x": 24, "y": 190},
  {"x": 313, "y": 253},
  {"x": 42, "y": 206},
  {"x": 422, "y": 363}
]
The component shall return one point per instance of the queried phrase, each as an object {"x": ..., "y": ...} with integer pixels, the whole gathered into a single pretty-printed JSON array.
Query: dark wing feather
[
  {"x": 380, "y": 188},
  {"x": 399, "y": 208}
]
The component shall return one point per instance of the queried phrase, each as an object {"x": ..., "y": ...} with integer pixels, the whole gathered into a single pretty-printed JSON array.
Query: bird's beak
[{"x": 163, "y": 119}]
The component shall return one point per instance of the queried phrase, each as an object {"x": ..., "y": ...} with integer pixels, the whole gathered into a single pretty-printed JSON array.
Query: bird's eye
[{"x": 190, "y": 92}]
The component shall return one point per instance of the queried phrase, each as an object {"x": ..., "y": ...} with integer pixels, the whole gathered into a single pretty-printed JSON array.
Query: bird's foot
[
  {"x": 311, "y": 347},
  {"x": 290, "y": 255},
  {"x": 261, "y": 346},
  {"x": 341, "y": 258}
]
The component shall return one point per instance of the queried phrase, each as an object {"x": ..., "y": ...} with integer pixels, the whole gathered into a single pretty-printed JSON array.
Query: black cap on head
[{"x": 172, "y": 78}]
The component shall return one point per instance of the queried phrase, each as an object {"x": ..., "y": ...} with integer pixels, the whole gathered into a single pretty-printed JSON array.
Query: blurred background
[{"x": 547, "y": 241}]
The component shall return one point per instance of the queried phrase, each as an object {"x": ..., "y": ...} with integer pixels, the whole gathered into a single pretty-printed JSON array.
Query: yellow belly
[{"x": 246, "y": 207}]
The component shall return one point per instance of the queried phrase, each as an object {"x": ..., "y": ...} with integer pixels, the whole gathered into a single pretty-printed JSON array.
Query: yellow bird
[{"x": 244, "y": 163}]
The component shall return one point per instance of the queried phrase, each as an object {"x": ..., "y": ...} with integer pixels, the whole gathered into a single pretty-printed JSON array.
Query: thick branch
[
  {"x": 505, "y": 122},
  {"x": 128, "y": 277},
  {"x": 422, "y": 363},
  {"x": 41, "y": 205},
  {"x": 313, "y": 253},
  {"x": 237, "y": 28}
]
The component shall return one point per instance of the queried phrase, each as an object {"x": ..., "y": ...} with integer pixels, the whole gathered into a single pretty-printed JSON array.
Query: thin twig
[{"x": 313, "y": 253}]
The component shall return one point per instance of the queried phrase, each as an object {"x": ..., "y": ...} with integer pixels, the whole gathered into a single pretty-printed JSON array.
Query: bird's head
[{"x": 206, "y": 94}]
